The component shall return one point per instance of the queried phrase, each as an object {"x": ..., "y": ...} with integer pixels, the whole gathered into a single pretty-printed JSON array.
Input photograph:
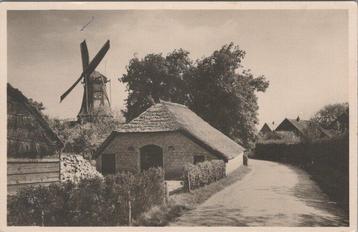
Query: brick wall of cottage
[{"x": 177, "y": 151}]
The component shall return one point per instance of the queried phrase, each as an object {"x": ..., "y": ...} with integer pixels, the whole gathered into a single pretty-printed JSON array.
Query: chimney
[{"x": 298, "y": 118}]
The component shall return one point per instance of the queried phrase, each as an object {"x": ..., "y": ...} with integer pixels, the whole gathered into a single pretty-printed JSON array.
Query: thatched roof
[
  {"x": 168, "y": 116},
  {"x": 19, "y": 97}
]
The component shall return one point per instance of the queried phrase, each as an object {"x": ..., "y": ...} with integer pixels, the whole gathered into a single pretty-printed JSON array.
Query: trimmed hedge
[
  {"x": 92, "y": 202},
  {"x": 203, "y": 173},
  {"x": 327, "y": 162}
]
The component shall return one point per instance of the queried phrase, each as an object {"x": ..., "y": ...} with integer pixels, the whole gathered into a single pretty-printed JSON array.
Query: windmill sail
[
  {"x": 71, "y": 88},
  {"x": 84, "y": 55},
  {"x": 95, "y": 102},
  {"x": 85, "y": 62},
  {"x": 90, "y": 68}
]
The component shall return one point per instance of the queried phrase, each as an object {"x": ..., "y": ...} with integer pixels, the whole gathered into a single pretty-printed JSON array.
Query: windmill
[{"x": 95, "y": 101}]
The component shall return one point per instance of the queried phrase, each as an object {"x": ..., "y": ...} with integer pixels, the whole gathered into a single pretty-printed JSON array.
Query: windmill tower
[{"x": 95, "y": 102}]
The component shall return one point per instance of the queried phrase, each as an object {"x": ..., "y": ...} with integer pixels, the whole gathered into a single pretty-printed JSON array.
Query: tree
[
  {"x": 155, "y": 77},
  {"x": 84, "y": 138},
  {"x": 224, "y": 97},
  {"x": 212, "y": 87},
  {"x": 333, "y": 116},
  {"x": 39, "y": 106}
]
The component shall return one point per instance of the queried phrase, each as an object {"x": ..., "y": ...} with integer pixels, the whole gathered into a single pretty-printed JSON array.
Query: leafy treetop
[{"x": 217, "y": 88}]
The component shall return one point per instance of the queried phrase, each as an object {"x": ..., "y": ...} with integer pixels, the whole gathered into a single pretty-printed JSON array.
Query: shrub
[
  {"x": 160, "y": 215},
  {"x": 203, "y": 173},
  {"x": 84, "y": 138},
  {"x": 91, "y": 202},
  {"x": 156, "y": 216}
]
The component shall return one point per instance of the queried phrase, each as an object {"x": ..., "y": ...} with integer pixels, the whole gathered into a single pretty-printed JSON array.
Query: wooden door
[
  {"x": 108, "y": 164},
  {"x": 151, "y": 156}
]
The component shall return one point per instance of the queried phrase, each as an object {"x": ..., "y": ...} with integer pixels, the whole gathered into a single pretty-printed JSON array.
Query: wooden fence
[{"x": 25, "y": 172}]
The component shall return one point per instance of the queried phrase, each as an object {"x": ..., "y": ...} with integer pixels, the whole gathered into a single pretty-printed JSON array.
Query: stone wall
[{"x": 177, "y": 151}]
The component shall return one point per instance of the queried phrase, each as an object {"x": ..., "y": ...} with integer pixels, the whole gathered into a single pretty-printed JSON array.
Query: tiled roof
[
  {"x": 168, "y": 116},
  {"x": 265, "y": 128},
  {"x": 308, "y": 128},
  {"x": 156, "y": 118}
]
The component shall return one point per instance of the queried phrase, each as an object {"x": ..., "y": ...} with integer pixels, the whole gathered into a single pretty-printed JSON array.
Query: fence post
[
  {"x": 119, "y": 217},
  {"x": 129, "y": 209},
  {"x": 189, "y": 184},
  {"x": 245, "y": 159},
  {"x": 42, "y": 218},
  {"x": 166, "y": 193}
]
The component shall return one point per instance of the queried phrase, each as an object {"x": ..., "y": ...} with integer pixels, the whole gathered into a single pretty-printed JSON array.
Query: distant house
[
  {"x": 303, "y": 129},
  {"x": 33, "y": 149},
  {"x": 265, "y": 130},
  {"x": 167, "y": 135}
]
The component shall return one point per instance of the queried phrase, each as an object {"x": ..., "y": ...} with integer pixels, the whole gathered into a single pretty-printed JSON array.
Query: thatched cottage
[
  {"x": 33, "y": 149},
  {"x": 167, "y": 135}
]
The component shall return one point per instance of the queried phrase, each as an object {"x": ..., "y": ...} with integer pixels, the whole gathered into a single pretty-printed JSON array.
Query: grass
[{"x": 182, "y": 202}]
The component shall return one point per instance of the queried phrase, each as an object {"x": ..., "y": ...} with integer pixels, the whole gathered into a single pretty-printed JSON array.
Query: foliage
[
  {"x": 92, "y": 202},
  {"x": 224, "y": 97},
  {"x": 155, "y": 77},
  {"x": 161, "y": 215},
  {"x": 327, "y": 161},
  {"x": 203, "y": 173},
  {"x": 329, "y": 114},
  {"x": 26, "y": 207},
  {"x": 39, "y": 106},
  {"x": 279, "y": 137},
  {"x": 84, "y": 138},
  {"x": 203, "y": 85}
]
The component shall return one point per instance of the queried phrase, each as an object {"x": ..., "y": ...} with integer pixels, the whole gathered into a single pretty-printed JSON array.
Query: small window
[
  {"x": 199, "y": 158},
  {"x": 108, "y": 164}
]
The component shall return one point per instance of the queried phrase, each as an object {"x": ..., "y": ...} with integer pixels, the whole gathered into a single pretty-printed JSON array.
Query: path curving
[{"x": 272, "y": 194}]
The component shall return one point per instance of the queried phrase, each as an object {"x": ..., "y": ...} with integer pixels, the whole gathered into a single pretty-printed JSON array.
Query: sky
[{"x": 303, "y": 53}]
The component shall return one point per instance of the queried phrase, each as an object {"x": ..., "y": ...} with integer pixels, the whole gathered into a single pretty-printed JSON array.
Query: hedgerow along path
[{"x": 273, "y": 194}]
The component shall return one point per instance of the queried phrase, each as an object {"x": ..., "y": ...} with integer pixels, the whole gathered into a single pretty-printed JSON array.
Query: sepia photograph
[{"x": 179, "y": 115}]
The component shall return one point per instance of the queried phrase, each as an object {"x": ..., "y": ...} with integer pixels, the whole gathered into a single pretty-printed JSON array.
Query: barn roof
[
  {"x": 168, "y": 116},
  {"x": 19, "y": 96},
  {"x": 265, "y": 128},
  {"x": 306, "y": 127}
]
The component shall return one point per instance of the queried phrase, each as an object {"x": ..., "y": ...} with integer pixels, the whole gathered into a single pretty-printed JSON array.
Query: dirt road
[{"x": 272, "y": 194}]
